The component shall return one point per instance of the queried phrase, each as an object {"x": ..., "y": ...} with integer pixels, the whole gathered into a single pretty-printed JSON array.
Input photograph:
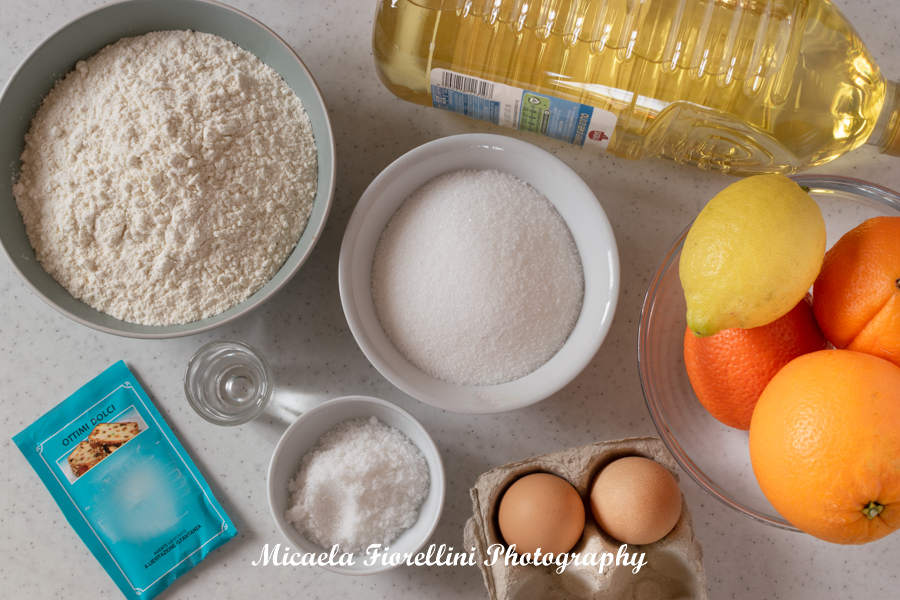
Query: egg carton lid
[{"x": 672, "y": 567}]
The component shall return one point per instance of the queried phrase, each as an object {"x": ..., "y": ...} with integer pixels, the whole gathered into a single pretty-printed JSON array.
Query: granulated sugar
[
  {"x": 476, "y": 279},
  {"x": 361, "y": 484},
  {"x": 167, "y": 178}
]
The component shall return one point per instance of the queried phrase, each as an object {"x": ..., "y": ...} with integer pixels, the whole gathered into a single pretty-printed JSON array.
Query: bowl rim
[
  {"x": 252, "y": 303},
  {"x": 656, "y": 412},
  {"x": 368, "y": 202},
  {"x": 440, "y": 476},
  {"x": 839, "y": 183}
]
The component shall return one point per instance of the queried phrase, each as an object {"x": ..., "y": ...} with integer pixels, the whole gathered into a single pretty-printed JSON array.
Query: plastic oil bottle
[{"x": 741, "y": 86}]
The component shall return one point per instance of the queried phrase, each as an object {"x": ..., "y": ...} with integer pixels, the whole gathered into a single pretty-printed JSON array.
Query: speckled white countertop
[{"x": 44, "y": 357}]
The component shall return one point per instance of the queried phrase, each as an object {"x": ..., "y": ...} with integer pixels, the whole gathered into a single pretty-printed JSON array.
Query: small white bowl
[
  {"x": 579, "y": 208},
  {"x": 302, "y": 435}
]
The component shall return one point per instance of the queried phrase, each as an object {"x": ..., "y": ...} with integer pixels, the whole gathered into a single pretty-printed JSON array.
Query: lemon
[{"x": 751, "y": 254}]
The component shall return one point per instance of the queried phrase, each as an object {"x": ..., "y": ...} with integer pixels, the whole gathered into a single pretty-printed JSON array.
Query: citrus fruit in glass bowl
[
  {"x": 714, "y": 455},
  {"x": 859, "y": 290},
  {"x": 729, "y": 370},
  {"x": 824, "y": 443}
]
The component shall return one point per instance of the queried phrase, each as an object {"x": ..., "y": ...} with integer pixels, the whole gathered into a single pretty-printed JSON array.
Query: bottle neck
[{"x": 886, "y": 133}]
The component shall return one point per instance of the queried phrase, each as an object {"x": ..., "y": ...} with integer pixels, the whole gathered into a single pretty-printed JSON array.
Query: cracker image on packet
[
  {"x": 85, "y": 456},
  {"x": 125, "y": 483},
  {"x": 105, "y": 439},
  {"x": 112, "y": 434}
]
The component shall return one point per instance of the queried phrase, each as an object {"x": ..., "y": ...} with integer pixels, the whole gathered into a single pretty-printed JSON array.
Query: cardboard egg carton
[{"x": 672, "y": 568}]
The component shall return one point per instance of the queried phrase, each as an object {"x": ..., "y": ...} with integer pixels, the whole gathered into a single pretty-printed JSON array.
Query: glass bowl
[
  {"x": 228, "y": 382},
  {"x": 714, "y": 455}
]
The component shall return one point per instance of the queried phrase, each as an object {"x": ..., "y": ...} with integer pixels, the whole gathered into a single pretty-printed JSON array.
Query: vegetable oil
[{"x": 740, "y": 86}]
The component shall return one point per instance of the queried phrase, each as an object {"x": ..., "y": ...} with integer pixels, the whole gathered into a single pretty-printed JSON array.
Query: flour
[{"x": 167, "y": 178}]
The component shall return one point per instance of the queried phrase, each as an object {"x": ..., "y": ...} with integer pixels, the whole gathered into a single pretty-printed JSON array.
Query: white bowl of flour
[
  {"x": 413, "y": 371},
  {"x": 179, "y": 216}
]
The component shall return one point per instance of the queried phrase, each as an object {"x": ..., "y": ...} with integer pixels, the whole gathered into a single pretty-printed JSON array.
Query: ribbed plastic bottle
[{"x": 741, "y": 86}]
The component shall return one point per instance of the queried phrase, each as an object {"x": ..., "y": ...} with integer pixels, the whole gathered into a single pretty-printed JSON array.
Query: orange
[
  {"x": 825, "y": 445},
  {"x": 857, "y": 293},
  {"x": 729, "y": 370}
]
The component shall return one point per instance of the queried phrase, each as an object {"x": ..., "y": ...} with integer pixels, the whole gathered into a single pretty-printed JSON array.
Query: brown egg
[
  {"x": 636, "y": 500},
  {"x": 541, "y": 511}
]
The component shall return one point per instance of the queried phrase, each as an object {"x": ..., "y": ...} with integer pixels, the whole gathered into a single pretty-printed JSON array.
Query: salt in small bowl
[{"x": 304, "y": 433}]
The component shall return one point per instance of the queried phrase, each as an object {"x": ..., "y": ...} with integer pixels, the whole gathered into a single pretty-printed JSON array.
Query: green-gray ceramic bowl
[{"x": 84, "y": 37}]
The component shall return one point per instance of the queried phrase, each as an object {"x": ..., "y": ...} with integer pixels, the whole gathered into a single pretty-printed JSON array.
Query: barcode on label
[{"x": 467, "y": 85}]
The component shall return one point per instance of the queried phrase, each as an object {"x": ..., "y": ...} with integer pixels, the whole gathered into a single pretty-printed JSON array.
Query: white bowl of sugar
[
  {"x": 408, "y": 312},
  {"x": 356, "y": 472}
]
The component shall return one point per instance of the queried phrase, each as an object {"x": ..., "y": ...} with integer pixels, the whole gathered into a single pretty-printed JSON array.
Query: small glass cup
[{"x": 228, "y": 382}]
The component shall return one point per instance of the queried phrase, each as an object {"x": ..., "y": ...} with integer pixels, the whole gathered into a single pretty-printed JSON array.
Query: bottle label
[{"x": 521, "y": 109}]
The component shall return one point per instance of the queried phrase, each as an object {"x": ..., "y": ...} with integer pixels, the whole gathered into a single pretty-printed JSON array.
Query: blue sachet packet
[{"x": 125, "y": 483}]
